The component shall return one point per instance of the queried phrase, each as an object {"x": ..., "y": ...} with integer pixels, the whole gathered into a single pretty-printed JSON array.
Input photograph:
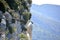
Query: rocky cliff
[{"x": 15, "y": 16}]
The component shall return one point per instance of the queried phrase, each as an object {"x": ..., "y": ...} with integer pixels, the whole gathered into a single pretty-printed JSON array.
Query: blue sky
[{"x": 39, "y": 2}]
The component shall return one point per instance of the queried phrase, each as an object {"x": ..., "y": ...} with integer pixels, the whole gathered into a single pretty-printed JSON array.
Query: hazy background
[{"x": 46, "y": 19}]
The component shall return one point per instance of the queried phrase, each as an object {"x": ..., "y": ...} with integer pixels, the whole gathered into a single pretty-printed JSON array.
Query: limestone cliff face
[{"x": 29, "y": 29}]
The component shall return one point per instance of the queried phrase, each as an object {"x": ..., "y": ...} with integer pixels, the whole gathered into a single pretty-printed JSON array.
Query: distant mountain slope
[{"x": 46, "y": 19}]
